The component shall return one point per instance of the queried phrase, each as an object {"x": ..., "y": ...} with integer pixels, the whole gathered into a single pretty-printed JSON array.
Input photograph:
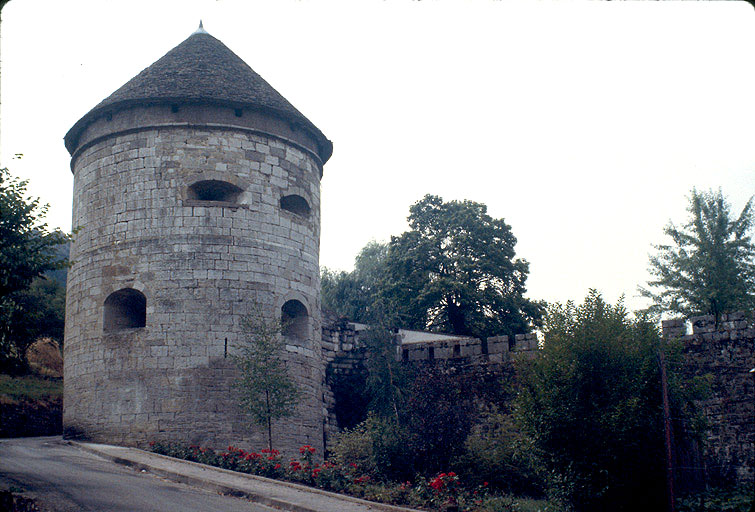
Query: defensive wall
[
  {"x": 724, "y": 352},
  {"x": 344, "y": 353}
]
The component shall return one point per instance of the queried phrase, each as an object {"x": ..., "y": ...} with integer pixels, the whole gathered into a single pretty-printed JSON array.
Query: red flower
[
  {"x": 277, "y": 466},
  {"x": 437, "y": 483}
]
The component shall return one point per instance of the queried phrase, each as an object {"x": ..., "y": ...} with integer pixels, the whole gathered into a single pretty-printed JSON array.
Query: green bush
[
  {"x": 498, "y": 453},
  {"x": 736, "y": 499},
  {"x": 377, "y": 447}
]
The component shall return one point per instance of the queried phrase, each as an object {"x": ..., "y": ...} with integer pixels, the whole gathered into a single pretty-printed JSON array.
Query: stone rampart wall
[
  {"x": 725, "y": 351},
  {"x": 344, "y": 354}
]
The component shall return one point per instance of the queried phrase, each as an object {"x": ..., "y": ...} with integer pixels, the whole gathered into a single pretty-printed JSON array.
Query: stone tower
[{"x": 197, "y": 199}]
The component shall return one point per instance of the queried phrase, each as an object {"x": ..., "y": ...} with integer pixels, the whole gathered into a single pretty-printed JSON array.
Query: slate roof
[{"x": 201, "y": 70}]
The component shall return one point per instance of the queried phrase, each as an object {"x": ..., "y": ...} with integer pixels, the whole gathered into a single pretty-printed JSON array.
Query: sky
[{"x": 584, "y": 125}]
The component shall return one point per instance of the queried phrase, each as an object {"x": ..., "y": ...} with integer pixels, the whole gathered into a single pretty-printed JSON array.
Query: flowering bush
[{"x": 442, "y": 492}]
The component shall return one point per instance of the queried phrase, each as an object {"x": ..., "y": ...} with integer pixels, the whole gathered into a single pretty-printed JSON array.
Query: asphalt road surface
[{"x": 63, "y": 478}]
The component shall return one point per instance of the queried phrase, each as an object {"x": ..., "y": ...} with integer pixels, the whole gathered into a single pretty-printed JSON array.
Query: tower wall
[{"x": 201, "y": 265}]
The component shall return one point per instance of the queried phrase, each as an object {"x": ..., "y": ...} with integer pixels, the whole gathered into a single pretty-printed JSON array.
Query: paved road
[{"x": 63, "y": 478}]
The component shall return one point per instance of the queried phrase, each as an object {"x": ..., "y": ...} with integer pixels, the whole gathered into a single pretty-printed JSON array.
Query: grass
[{"x": 13, "y": 389}]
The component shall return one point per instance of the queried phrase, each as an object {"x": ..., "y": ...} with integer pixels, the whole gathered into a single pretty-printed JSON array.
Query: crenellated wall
[
  {"x": 725, "y": 351},
  {"x": 344, "y": 353}
]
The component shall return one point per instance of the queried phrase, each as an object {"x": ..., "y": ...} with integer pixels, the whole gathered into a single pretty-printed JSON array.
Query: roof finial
[{"x": 201, "y": 29}]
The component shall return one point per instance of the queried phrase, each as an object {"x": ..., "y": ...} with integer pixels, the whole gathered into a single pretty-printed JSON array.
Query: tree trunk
[{"x": 269, "y": 421}]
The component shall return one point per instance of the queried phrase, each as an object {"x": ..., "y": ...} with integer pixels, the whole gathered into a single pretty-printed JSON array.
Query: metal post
[
  {"x": 667, "y": 431},
  {"x": 752, "y": 503}
]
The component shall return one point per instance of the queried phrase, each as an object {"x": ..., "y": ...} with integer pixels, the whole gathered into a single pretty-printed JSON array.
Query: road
[{"x": 63, "y": 478}]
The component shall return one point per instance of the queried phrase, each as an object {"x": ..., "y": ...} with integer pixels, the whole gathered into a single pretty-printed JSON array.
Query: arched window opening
[
  {"x": 294, "y": 318},
  {"x": 214, "y": 190},
  {"x": 125, "y": 309},
  {"x": 295, "y": 204}
]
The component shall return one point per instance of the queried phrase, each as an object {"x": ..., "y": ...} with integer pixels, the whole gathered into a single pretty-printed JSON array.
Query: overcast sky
[{"x": 583, "y": 125}]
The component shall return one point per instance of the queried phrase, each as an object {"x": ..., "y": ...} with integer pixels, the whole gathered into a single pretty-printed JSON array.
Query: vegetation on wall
[{"x": 592, "y": 407}]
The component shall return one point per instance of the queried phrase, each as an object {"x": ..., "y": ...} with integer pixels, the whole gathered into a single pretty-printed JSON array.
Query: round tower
[{"x": 197, "y": 202}]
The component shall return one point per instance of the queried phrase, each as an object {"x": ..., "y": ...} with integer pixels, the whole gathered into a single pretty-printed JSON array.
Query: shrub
[
  {"x": 732, "y": 499},
  {"x": 498, "y": 453}
]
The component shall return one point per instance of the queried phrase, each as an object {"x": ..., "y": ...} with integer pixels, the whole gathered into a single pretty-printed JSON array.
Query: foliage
[
  {"x": 443, "y": 491},
  {"x": 592, "y": 405},
  {"x": 709, "y": 266},
  {"x": 438, "y": 414},
  {"x": 33, "y": 313},
  {"x": 29, "y": 387},
  {"x": 497, "y": 452},
  {"x": 267, "y": 392},
  {"x": 355, "y": 446},
  {"x": 386, "y": 377},
  {"x": 455, "y": 271},
  {"x": 355, "y": 295},
  {"x": 27, "y": 250},
  {"x": 718, "y": 500}
]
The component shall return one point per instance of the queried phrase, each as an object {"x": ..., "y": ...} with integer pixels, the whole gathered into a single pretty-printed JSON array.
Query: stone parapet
[{"x": 724, "y": 352}]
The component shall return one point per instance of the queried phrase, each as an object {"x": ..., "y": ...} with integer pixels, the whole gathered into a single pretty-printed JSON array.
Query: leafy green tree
[
  {"x": 267, "y": 391},
  {"x": 455, "y": 271},
  {"x": 36, "y": 312},
  {"x": 709, "y": 266},
  {"x": 356, "y": 295},
  {"x": 592, "y": 405},
  {"x": 386, "y": 376},
  {"x": 28, "y": 249}
]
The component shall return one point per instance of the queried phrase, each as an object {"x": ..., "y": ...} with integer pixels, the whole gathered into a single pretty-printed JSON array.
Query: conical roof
[{"x": 201, "y": 70}]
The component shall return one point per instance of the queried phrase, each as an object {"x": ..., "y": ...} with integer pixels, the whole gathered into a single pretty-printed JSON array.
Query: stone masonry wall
[
  {"x": 202, "y": 266},
  {"x": 725, "y": 351},
  {"x": 344, "y": 354}
]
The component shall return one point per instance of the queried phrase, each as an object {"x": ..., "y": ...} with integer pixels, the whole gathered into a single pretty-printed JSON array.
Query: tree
[
  {"x": 709, "y": 266},
  {"x": 28, "y": 249},
  {"x": 591, "y": 404},
  {"x": 356, "y": 295},
  {"x": 267, "y": 391},
  {"x": 455, "y": 271},
  {"x": 34, "y": 313},
  {"x": 386, "y": 376}
]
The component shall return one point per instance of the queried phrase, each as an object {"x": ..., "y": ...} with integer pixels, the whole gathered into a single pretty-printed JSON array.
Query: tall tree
[
  {"x": 455, "y": 271},
  {"x": 356, "y": 295},
  {"x": 28, "y": 249},
  {"x": 267, "y": 391},
  {"x": 709, "y": 266},
  {"x": 592, "y": 406}
]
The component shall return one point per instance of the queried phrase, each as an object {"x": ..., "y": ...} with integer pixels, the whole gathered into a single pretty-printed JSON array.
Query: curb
[{"x": 230, "y": 490}]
